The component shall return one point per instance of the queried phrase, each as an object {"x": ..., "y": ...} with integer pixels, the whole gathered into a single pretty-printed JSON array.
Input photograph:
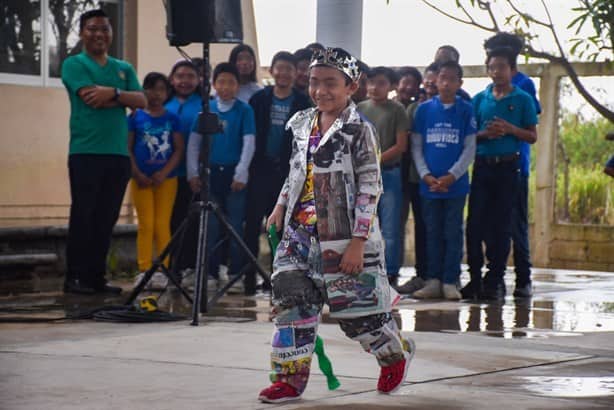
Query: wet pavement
[{"x": 555, "y": 350}]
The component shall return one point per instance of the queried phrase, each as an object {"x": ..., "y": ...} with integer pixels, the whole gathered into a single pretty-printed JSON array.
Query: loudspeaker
[{"x": 203, "y": 21}]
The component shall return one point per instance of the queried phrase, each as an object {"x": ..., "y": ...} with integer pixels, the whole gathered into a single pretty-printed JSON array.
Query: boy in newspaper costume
[{"x": 331, "y": 250}]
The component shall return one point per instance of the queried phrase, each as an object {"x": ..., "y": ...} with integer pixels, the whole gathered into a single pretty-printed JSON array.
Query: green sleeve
[
  {"x": 75, "y": 76},
  {"x": 132, "y": 81},
  {"x": 411, "y": 113},
  {"x": 402, "y": 120}
]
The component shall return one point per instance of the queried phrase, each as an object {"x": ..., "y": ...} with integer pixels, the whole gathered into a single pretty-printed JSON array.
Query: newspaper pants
[{"x": 297, "y": 303}]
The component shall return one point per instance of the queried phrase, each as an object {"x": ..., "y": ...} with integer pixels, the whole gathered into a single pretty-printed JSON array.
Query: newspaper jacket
[{"x": 347, "y": 185}]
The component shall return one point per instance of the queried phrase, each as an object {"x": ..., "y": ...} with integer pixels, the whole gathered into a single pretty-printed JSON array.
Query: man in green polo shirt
[{"x": 100, "y": 88}]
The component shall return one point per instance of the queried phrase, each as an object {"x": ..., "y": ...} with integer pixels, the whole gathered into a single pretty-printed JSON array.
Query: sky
[{"x": 406, "y": 32}]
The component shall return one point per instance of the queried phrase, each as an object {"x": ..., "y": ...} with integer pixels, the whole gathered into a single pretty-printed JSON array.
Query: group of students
[
  {"x": 429, "y": 134},
  {"x": 326, "y": 171}
]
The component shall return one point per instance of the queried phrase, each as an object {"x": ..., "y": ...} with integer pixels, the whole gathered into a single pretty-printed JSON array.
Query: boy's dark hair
[
  {"x": 151, "y": 79},
  {"x": 412, "y": 72},
  {"x": 225, "y": 68},
  {"x": 315, "y": 46},
  {"x": 505, "y": 52},
  {"x": 453, "y": 65},
  {"x": 452, "y": 50},
  {"x": 89, "y": 15},
  {"x": 503, "y": 39},
  {"x": 184, "y": 63},
  {"x": 284, "y": 56},
  {"x": 234, "y": 54},
  {"x": 303, "y": 54},
  {"x": 433, "y": 67},
  {"x": 363, "y": 67},
  {"x": 387, "y": 72}
]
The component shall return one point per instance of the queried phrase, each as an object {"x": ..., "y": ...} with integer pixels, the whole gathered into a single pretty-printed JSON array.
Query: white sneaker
[
  {"x": 237, "y": 288},
  {"x": 450, "y": 291},
  {"x": 222, "y": 276},
  {"x": 189, "y": 281},
  {"x": 432, "y": 290},
  {"x": 158, "y": 281}
]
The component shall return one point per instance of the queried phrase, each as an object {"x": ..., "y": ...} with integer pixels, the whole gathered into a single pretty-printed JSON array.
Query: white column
[{"x": 339, "y": 24}]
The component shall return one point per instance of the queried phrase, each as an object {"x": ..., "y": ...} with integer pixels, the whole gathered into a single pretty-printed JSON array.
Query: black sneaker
[
  {"x": 472, "y": 290},
  {"x": 494, "y": 292},
  {"x": 78, "y": 288},
  {"x": 523, "y": 291},
  {"x": 106, "y": 288}
]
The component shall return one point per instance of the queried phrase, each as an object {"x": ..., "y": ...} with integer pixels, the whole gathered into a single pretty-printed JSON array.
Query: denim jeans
[
  {"x": 520, "y": 233},
  {"x": 493, "y": 195},
  {"x": 232, "y": 205},
  {"x": 389, "y": 212},
  {"x": 443, "y": 219}
]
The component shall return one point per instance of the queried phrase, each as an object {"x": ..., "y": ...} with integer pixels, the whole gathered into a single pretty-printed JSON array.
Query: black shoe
[
  {"x": 472, "y": 290},
  {"x": 493, "y": 292},
  {"x": 106, "y": 288},
  {"x": 250, "y": 291},
  {"x": 523, "y": 291},
  {"x": 393, "y": 281},
  {"x": 76, "y": 287}
]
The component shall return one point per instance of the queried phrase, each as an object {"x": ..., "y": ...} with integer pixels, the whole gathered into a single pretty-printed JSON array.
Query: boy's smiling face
[
  {"x": 408, "y": 88},
  {"x": 284, "y": 73},
  {"x": 429, "y": 83},
  {"x": 330, "y": 89},
  {"x": 378, "y": 88}
]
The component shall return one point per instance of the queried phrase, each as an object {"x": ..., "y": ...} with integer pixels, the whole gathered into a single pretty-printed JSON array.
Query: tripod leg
[
  {"x": 235, "y": 236},
  {"x": 165, "y": 252},
  {"x": 201, "y": 266}
]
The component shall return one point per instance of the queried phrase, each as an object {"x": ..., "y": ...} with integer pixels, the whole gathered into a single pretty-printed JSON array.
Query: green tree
[{"x": 594, "y": 15}]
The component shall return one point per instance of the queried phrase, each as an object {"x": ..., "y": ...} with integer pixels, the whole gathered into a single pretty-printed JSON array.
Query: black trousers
[
  {"x": 184, "y": 257},
  {"x": 97, "y": 188},
  {"x": 411, "y": 197},
  {"x": 262, "y": 192}
]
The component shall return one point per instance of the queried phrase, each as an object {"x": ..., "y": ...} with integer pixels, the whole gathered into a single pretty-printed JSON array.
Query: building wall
[{"x": 34, "y": 185}]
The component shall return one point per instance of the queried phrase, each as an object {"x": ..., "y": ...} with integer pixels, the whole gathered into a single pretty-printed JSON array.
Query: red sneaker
[
  {"x": 278, "y": 392},
  {"x": 392, "y": 377}
]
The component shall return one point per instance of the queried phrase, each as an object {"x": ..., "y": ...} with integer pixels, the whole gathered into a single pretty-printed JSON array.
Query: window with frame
[{"x": 32, "y": 53}]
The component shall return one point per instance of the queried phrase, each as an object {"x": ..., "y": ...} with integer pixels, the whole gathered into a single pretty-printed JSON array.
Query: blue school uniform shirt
[
  {"x": 153, "y": 140},
  {"x": 226, "y": 146},
  {"x": 280, "y": 111},
  {"x": 527, "y": 85},
  {"x": 517, "y": 108},
  {"x": 187, "y": 111},
  {"x": 443, "y": 131}
]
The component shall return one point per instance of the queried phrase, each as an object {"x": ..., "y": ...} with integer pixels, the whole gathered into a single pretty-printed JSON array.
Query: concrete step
[{"x": 29, "y": 259}]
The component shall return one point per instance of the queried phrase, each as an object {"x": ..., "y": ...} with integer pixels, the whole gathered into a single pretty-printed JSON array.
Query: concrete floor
[{"x": 555, "y": 351}]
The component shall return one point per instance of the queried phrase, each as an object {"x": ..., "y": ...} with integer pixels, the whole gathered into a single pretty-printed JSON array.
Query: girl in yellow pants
[
  {"x": 156, "y": 148},
  {"x": 154, "y": 207}
]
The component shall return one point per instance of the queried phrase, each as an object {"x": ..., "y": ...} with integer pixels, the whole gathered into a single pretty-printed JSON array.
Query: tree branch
[
  {"x": 573, "y": 76},
  {"x": 528, "y": 17},
  {"x": 556, "y": 38},
  {"x": 460, "y": 20},
  {"x": 486, "y": 6}
]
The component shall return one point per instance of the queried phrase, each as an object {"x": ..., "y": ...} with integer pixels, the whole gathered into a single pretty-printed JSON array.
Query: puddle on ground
[
  {"x": 570, "y": 387},
  {"x": 567, "y": 303},
  {"x": 514, "y": 319}
]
